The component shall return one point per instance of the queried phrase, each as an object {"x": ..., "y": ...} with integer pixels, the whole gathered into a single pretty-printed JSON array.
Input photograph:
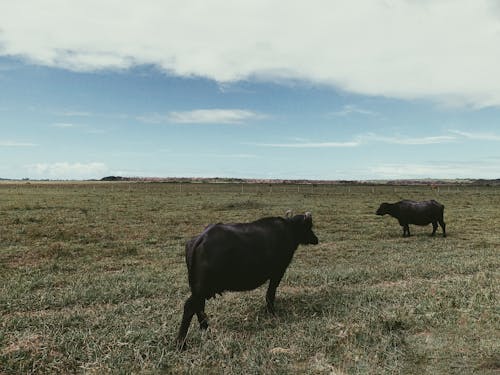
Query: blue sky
[{"x": 263, "y": 89}]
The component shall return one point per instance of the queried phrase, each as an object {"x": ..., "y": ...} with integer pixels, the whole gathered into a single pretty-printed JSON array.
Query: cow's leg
[
  {"x": 443, "y": 226},
  {"x": 434, "y": 227},
  {"x": 191, "y": 306},
  {"x": 202, "y": 317},
  {"x": 271, "y": 293},
  {"x": 406, "y": 230}
]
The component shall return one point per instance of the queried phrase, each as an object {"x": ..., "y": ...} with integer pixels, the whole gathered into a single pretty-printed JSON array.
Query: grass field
[{"x": 93, "y": 280}]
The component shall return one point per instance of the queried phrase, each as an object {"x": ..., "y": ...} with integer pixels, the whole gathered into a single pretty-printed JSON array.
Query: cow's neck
[{"x": 394, "y": 210}]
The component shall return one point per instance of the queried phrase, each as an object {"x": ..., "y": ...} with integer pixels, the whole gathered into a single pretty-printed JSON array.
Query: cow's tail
[
  {"x": 191, "y": 246},
  {"x": 441, "y": 209},
  {"x": 441, "y": 206}
]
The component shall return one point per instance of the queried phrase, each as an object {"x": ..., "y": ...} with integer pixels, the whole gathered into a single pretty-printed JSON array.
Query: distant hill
[{"x": 115, "y": 178}]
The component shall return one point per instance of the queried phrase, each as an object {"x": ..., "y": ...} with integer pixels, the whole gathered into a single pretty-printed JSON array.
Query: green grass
[{"x": 93, "y": 280}]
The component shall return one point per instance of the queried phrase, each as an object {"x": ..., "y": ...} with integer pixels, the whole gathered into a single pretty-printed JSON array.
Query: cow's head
[
  {"x": 383, "y": 209},
  {"x": 302, "y": 225}
]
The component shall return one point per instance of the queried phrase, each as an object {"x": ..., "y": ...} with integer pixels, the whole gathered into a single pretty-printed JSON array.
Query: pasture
[{"x": 93, "y": 280}]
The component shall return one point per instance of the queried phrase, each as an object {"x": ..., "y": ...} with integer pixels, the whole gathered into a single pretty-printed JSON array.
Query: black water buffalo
[
  {"x": 240, "y": 257},
  {"x": 419, "y": 213}
]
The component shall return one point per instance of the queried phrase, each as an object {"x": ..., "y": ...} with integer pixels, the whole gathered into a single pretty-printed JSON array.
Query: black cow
[
  {"x": 419, "y": 213},
  {"x": 240, "y": 257}
]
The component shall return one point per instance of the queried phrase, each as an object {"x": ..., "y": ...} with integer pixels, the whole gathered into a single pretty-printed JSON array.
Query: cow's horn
[{"x": 288, "y": 213}]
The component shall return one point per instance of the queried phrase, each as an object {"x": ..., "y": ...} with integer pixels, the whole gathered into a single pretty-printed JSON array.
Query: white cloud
[
  {"x": 309, "y": 144},
  {"x": 350, "y": 109},
  {"x": 452, "y": 169},
  {"x": 82, "y": 127},
  {"x": 408, "y": 140},
  {"x": 202, "y": 116},
  {"x": 70, "y": 113},
  {"x": 67, "y": 171},
  {"x": 443, "y": 50},
  {"x": 364, "y": 139},
  {"x": 477, "y": 136},
  {"x": 213, "y": 116}
]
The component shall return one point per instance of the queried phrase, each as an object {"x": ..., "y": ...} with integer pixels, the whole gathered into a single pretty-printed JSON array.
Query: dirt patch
[{"x": 31, "y": 343}]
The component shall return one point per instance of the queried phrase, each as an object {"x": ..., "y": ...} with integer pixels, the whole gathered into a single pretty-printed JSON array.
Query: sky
[{"x": 341, "y": 90}]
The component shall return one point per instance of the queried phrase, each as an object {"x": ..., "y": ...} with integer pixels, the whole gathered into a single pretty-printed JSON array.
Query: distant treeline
[
  {"x": 226, "y": 180},
  {"x": 431, "y": 182}
]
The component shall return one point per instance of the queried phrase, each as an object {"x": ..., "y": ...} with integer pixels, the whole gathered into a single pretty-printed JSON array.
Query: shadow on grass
[
  {"x": 249, "y": 313},
  {"x": 415, "y": 234},
  {"x": 323, "y": 316}
]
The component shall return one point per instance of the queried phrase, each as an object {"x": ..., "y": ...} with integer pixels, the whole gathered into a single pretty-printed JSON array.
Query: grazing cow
[
  {"x": 419, "y": 213},
  {"x": 240, "y": 257}
]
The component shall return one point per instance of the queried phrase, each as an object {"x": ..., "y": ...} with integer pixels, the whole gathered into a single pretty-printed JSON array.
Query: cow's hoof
[
  {"x": 181, "y": 345},
  {"x": 204, "y": 325}
]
